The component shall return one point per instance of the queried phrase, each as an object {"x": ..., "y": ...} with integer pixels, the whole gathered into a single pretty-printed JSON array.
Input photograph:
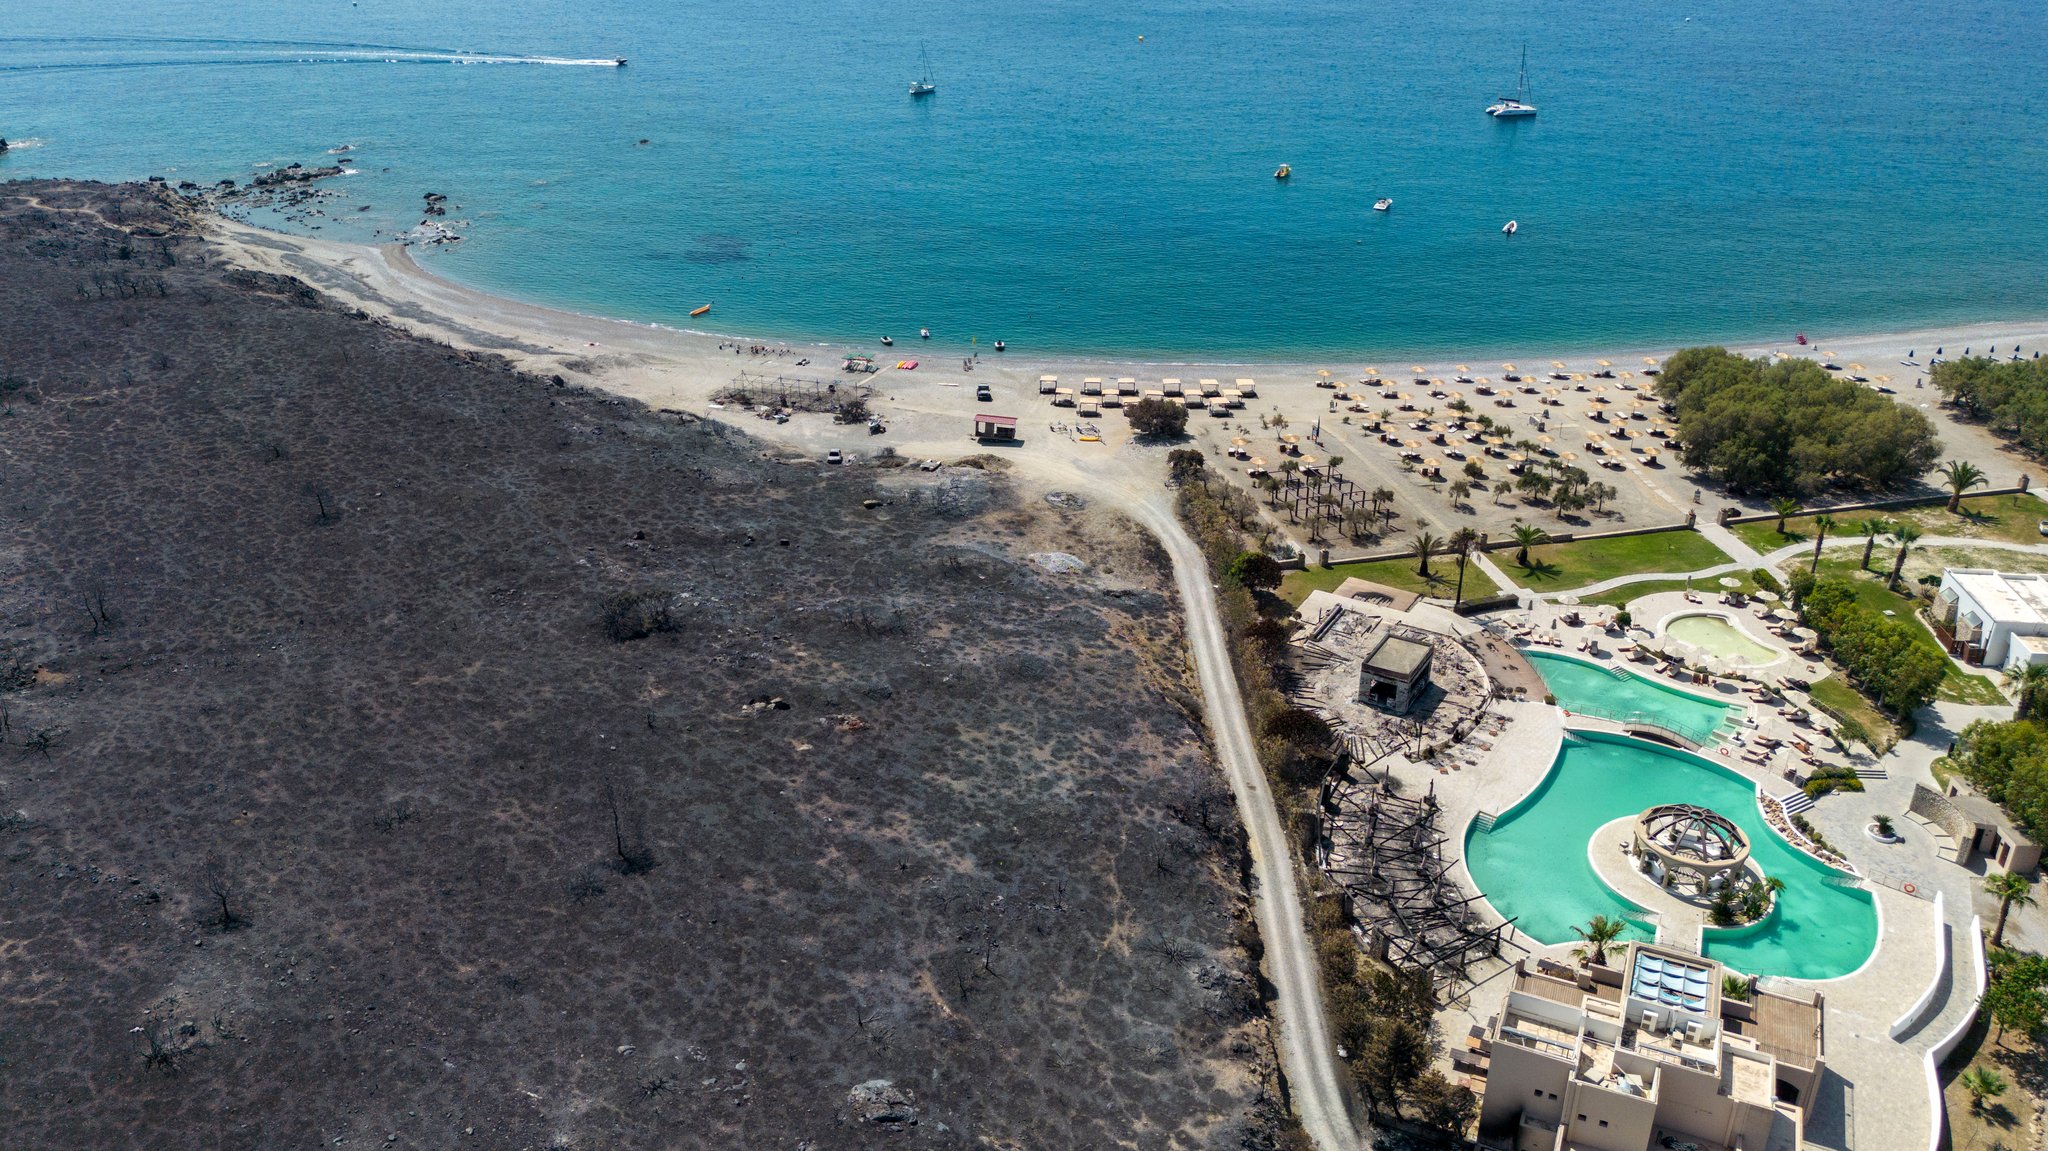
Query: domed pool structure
[{"x": 1697, "y": 848}]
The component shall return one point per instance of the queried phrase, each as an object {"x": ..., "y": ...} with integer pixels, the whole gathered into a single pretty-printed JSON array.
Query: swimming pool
[
  {"x": 1532, "y": 863},
  {"x": 1622, "y": 696},
  {"x": 1715, "y": 635}
]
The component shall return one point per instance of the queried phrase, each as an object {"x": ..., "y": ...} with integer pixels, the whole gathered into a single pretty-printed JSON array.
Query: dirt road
[{"x": 1315, "y": 1079}]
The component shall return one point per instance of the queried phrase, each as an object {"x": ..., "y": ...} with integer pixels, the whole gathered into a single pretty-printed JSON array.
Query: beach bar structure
[
  {"x": 1092, "y": 386},
  {"x": 1396, "y": 674},
  {"x": 1169, "y": 387},
  {"x": 1126, "y": 386},
  {"x": 1046, "y": 384},
  {"x": 1248, "y": 388},
  {"x": 987, "y": 427}
]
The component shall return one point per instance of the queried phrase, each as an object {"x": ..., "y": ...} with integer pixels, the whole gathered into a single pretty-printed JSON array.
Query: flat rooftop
[
  {"x": 2007, "y": 598},
  {"x": 1398, "y": 658},
  {"x": 1787, "y": 1029}
]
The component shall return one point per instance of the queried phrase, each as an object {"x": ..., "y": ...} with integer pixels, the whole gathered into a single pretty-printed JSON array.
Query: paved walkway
[{"x": 1727, "y": 541}]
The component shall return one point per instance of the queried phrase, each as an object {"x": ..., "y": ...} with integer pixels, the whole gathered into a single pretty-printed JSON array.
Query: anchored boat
[{"x": 1517, "y": 105}]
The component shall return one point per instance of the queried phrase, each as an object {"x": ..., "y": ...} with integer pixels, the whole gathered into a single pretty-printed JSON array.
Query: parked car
[
  {"x": 982, "y": 393},
  {"x": 834, "y": 457}
]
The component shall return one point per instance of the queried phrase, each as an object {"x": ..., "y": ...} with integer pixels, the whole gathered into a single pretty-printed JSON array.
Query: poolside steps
[
  {"x": 1483, "y": 822},
  {"x": 1795, "y": 802},
  {"x": 1872, "y": 773}
]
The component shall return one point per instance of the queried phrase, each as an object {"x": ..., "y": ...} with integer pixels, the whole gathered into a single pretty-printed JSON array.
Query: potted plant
[{"x": 1880, "y": 829}]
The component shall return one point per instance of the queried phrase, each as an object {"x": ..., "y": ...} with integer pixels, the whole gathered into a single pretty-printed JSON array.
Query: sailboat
[
  {"x": 924, "y": 87},
  {"x": 1517, "y": 105}
]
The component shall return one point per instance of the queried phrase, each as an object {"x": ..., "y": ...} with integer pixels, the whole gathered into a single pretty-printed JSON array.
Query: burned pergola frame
[{"x": 1387, "y": 852}]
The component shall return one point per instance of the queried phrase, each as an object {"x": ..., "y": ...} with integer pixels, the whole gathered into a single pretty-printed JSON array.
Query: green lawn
[
  {"x": 1560, "y": 567},
  {"x": 1959, "y": 686},
  {"x": 2011, "y": 518},
  {"x": 1837, "y": 696},
  {"x": 1620, "y": 597},
  {"x": 1398, "y": 573}
]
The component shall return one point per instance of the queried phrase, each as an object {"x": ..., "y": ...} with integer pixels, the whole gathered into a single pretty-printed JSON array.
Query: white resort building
[
  {"x": 1646, "y": 1055},
  {"x": 1992, "y": 618}
]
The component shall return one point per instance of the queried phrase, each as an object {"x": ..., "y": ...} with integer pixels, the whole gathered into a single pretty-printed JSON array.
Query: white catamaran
[{"x": 1518, "y": 104}]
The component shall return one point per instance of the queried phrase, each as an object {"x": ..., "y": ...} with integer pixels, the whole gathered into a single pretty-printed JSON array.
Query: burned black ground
[{"x": 402, "y": 750}]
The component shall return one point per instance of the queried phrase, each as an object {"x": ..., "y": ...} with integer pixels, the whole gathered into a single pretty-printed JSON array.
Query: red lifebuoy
[
  {"x": 1909, "y": 889},
  {"x": 1724, "y": 751}
]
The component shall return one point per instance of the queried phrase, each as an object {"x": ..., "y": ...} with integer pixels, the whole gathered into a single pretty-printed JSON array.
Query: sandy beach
[{"x": 926, "y": 408}]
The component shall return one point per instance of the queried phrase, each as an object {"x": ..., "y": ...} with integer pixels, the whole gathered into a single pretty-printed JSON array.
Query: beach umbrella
[
  {"x": 1507, "y": 367},
  {"x": 1431, "y": 464},
  {"x": 1372, "y": 371},
  {"x": 1650, "y": 360},
  {"x": 1258, "y": 463},
  {"x": 1855, "y": 367},
  {"x": 1543, "y": 439},
  {"x": 1463, "y": 368},
  {"x": 1557, "y": 363},
  {"x": 1884, "y": 379},
  {"x": 1606, "y": 364},
  {"x": 1308, "y": 461},
  {"x": 1518, "y": 457},
  {"x": 1768, "y": 596},
  {"x": 1411, "y": 443},
  {"x": 1579, "y": 376},
  {"x": 1405, "y": 396},
  {"x": 1496, "y": 440},
  {"x": 1457, "y": 395},
  {"x": 1238, "y": 441},
  {"x": 1568, "y": 456},
  {"x": 1323, "y": 372}
]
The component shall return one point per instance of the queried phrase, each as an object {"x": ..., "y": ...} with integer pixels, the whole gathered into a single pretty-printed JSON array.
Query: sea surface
[{"x": 1098, "y": 178}]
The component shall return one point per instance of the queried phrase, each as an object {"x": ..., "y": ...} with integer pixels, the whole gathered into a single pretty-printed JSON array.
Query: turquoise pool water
[
  {"x": 1532, "y": 864},
  {"x": 1612, "y": 693},
  {"x": 1712, "y": 633}
]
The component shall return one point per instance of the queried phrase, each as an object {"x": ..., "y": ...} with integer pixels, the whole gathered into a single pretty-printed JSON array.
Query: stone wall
[{"x": 1935, "y": 808}]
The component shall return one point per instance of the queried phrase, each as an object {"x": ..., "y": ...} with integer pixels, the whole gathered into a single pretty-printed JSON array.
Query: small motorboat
[
  {"x": 1283, "y": 171},
  {"x": 887, "y": 342},
  {"x": 1382, "y": 204},
  {"x": 999, "y": 345},
  {"x": 619, "y": 62},
  {"x": 924, "y": 333},
  {"x": 1510, "y": 228},
  {"x": 700, "y": 311}
]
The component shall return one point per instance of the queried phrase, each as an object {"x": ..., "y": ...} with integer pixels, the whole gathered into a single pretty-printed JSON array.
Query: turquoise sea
[{"x": 1098, "y": 177}]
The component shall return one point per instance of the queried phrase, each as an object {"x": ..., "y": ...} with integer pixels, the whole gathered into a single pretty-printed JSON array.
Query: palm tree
[
  {"x": 1982, "y": 1083},
  {"x": 1906, "y": 534},
  {"x": 1870, "y": 530},
  {"x": 1821, "y": 524},
  {"x": 1527, "y": 536},
  {"x": 1786, "y": 506},
  {"x": 1599, "y": 933},
  {"x": 2026, "y": 682},
  {"x": 2011, "y": 890},
  {"x": 1960, "y": 476},
  {"x": 1426, "y": 545},
  {"x": 1459, "y": 491},
  {"x": 1461, "y": 544}
]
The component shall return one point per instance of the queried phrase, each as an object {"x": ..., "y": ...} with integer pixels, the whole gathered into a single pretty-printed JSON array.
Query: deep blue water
[{"x": 1761, "y": 167}]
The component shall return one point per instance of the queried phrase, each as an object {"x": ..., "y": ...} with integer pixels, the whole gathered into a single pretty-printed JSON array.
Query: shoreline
[{"x": 2031, "y": 333}]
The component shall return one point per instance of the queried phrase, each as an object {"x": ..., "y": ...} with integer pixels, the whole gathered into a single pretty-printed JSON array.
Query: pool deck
[{"x": 1874, "y": 1094}]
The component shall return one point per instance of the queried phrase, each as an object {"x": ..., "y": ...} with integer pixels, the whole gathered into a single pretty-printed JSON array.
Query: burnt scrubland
[{"x": 401, "y": 750}]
